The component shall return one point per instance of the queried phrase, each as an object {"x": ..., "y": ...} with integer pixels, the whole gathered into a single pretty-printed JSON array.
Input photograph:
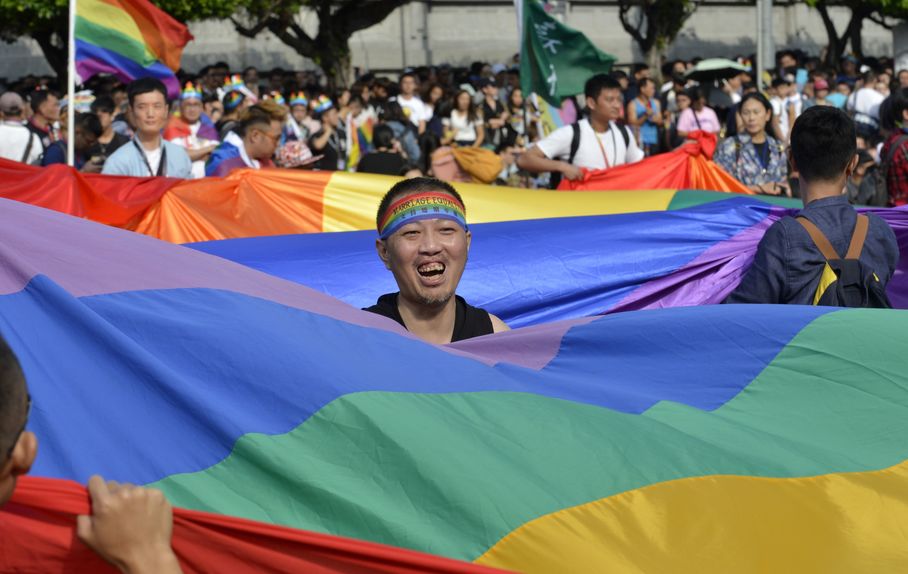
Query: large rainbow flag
[
  {"x": 697, "y": 439},
  {"x": 251, "y": 203},
  {"x": 129, "y": 39}
]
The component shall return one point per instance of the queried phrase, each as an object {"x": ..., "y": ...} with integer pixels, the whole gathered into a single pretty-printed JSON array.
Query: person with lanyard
[
  {"x": 330, "y": 142},
  {"x": 149, "y": 154},
  {"x": 645, "y": 115},
  {"x": 754, "y": 157},
  {"x": 423, "y": 239},
  {"x": 595, "y": 143}
]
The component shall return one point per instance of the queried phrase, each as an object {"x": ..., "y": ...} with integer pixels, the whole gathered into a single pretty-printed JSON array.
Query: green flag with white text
[{"x": 555, "y": 61}]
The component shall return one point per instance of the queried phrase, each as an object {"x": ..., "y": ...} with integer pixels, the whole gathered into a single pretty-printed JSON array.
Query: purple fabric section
[
  {"x": 87, "y": 258},
  {"x": 708, "y": 279},
  {"x": 531, "y": 347}
]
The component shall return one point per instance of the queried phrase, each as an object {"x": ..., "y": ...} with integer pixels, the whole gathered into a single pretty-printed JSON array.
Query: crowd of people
[{"x": 411, "y": 125}]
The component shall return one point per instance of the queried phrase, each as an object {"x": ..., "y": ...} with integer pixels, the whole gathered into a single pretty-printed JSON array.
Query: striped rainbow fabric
[
  {"x": 129, "y": 39},
  {"x": 721, "y": 438}
]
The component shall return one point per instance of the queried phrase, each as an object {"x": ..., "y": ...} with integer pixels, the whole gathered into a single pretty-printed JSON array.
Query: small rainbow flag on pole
[{"x": 129, "y": 39}]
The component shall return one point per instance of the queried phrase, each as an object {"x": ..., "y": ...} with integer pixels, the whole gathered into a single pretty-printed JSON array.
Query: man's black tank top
[{"x": 469, "y": 321}]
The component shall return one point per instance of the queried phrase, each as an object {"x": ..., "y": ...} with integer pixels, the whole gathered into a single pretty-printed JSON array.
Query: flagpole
[{"x": 71, "y": 88}]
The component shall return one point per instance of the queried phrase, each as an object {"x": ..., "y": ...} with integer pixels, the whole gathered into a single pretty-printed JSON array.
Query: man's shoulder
[{"x": 123, "y": 153}]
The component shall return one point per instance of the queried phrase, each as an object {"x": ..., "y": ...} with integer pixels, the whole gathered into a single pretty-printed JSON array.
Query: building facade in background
[{"x": 459, "y": 32}]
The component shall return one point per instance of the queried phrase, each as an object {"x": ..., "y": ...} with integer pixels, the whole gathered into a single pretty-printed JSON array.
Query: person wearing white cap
[{"x": 17, "y": 142}]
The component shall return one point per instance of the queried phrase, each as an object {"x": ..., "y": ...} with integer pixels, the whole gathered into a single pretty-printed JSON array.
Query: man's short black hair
[
  {"x": 413, "y": 186},
  {"x": 780, "y": 82},
  {"x": 88, "y": 123},
  {"x": 822, "y": 143},
  {"x": 145, "y": 86},
  {"x": 38, "y": 97},
  {"x": 103, "y": 104},
  {"x": 409, "y": 75},
  {"x": 12, "y": 391},
  {"x": 382, "y": 136},
  {"x": 595, "y": 85}
]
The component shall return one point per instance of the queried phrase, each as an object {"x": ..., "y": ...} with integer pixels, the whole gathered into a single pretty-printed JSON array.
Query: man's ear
[
  {"x": 382, "y": 248},
  {"x": 23, "y": 456},
  {"x": 469, "y": 240},
  {"x": 852, "y": 166}
]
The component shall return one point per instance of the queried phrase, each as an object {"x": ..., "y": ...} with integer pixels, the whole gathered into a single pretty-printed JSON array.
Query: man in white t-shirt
[
  {"x": 864, "y": 103},
  {"x": 17, "y": 142},
  {"x": 414, "y": 108},
  {"x": 602, "y": 143}
]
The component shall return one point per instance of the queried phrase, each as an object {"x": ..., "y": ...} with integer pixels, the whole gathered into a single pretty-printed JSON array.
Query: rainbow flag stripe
[
  {"x": 714, "y": 438},
  {"x": 129, "y": 39}
]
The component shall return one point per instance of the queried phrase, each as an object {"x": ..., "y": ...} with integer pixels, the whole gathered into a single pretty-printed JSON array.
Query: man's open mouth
[{"x": 431, "y": 269}]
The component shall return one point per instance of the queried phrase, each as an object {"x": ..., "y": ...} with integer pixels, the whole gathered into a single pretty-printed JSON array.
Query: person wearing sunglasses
[
  {"x": 130, "y": 526},
  {"x": 259, "y": 136}
]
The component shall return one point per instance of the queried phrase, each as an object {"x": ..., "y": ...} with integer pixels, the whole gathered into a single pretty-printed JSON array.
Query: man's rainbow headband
[
  {"x": 323, "y": 104},
  {"x": 191, "y": 92},
  {"x": 277, "y": 98},
  {"x": 298, "y": 99},
  {"x": 430, "y": 205}
]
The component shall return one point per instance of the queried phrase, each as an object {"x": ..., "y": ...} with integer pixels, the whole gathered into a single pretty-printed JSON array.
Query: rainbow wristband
[{"x": 421, "y": 206}]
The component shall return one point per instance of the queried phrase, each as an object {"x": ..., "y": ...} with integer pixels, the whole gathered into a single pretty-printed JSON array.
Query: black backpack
[
  {"x": 846, "y": 281},
  {"x": 555, "y": 177}
]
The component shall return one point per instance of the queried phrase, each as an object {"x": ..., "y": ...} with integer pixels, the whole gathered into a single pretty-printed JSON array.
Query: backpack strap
[
  {"x": 28, "y": 147},
  {"x": 627, "y": 136},
  {"x": 575, "y": 141},
  {"x": 858, "y": 237},
  {"x": 820, "y": 240}
]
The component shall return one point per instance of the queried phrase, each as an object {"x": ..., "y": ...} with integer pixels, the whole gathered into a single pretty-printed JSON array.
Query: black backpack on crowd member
[
  {"x": 881, "y": 189},
  {"x": 846, "y": 281},
  {"x": 555, "y": 176}
]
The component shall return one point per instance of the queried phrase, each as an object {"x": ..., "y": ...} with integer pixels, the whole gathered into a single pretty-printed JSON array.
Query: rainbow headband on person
[
  {"x": 191, "y": 92},
  {"x": 430, "y": 205},
  {"x": 323, "y": 104},
  {"x": 277, "y": 98},
  {"x": 298, "y": 99}
]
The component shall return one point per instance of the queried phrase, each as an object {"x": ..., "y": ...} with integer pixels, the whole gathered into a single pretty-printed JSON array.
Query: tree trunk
[
  {"x": 834, "y": 47},
  {"x": 653, "y": 59},
  {"x": 333, "y": 56},
  {"x": 855, "y": 30}
]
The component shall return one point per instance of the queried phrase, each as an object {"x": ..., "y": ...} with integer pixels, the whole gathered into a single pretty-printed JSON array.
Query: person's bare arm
[
  {"x": 321, "y": 142},
  {"x": 480, "y": 135},
  {"x": 201, "y": 153},
  {"x": 657, "y": 115},
  {"x": 631, "y": 113},
  {"x": 498, "y": 325},
  {"x": 535, "y": 161},
  {"x": 130, "y": 527},
  {"x": 422, "y": 127}
]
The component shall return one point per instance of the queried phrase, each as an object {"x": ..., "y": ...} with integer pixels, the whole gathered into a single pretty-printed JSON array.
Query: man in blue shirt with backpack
[{"x": 828, "y": 254}]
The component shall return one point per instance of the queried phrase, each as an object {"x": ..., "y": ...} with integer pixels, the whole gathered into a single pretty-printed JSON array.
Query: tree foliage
[
  {"x": 337, "y": 22},
  {"x": 883, "y": 12},
  {"x": 654, "y": 24}
]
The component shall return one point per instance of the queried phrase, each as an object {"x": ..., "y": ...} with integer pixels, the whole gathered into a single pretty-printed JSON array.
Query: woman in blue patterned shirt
[{"x": 754, "y": 157}]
